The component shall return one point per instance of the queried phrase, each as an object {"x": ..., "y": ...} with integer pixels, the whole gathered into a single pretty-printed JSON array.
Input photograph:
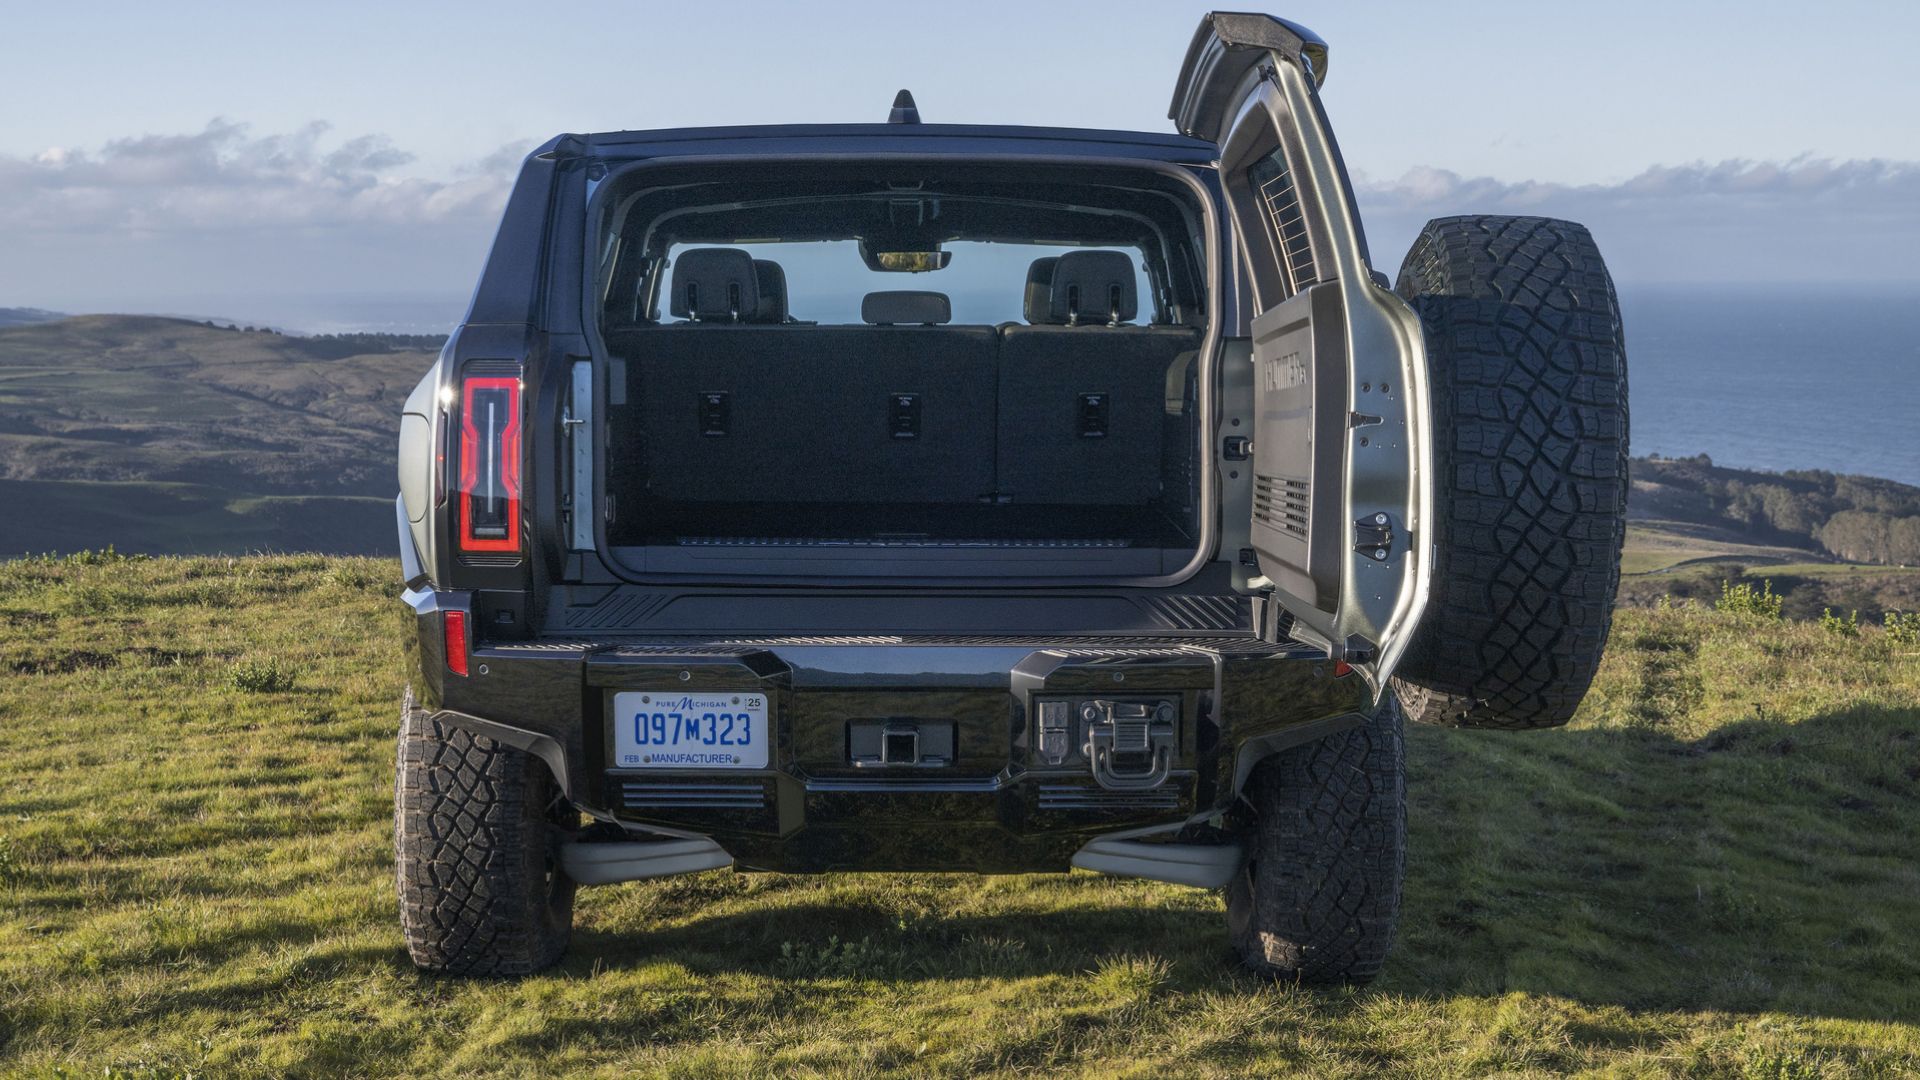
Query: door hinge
[{"x": 1373, "y": 537}]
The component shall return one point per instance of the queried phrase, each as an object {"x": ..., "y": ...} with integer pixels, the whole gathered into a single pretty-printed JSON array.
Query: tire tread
[
  {"x": 1320, "y": 897},
  {"x": 1528, "y": 370},
  {"x": 471, "y": 836}
]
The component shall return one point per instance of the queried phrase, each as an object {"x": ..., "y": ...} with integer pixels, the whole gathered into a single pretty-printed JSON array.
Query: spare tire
[{"x": 1528, "y": 373}]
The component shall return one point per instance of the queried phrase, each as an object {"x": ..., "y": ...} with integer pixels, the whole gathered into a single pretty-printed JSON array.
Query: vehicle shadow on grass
[{"x": 1765, "y": 867}]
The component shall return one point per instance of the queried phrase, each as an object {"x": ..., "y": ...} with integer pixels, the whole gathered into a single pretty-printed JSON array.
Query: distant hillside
[
  {"x": 164, "y": 435},
  {"x": 1859, "y": 519},
  {"x": 22, "y": 316}
]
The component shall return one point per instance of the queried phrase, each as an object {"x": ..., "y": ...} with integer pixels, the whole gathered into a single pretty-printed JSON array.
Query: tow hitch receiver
[
  {"x": 893, "y": 744},
  {"x": 1129, "y": 743}
]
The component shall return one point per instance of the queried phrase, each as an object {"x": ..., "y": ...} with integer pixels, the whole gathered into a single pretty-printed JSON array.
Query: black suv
[{"x": 1125, "y": 544}]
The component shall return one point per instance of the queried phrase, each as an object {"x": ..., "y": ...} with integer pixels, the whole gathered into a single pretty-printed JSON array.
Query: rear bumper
[{"x": 996, "y": 806}]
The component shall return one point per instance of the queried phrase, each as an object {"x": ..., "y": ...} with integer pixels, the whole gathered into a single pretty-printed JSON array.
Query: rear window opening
[{"x": 905, "y": 374}]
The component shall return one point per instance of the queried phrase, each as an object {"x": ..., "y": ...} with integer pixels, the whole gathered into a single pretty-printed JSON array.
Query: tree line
[{"x": 1856, "y": 518}]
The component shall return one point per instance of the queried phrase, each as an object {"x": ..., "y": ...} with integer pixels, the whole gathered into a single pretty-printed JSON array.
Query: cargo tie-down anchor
[{"x": 1129, "y": 743}]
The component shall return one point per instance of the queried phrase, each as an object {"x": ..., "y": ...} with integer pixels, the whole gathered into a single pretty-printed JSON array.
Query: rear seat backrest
[
  {"x": 1083, "y": 399},
  {"x": 806, "y": 413},
  {"x": 1044, "y": 415}
]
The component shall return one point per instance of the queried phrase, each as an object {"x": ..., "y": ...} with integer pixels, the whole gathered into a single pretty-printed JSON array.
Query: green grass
[
  {"x": 1711, "y": 873},
  {"x": 1655, "y": 546}
]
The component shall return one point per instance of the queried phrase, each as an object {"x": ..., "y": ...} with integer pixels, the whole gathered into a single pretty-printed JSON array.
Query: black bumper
[{"x": 995, "y": 805}]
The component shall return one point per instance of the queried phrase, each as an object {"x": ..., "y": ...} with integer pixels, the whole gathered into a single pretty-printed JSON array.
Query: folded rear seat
[
  {"x": 732, "y": 409},
  {"x": 1083, "y": 397}
]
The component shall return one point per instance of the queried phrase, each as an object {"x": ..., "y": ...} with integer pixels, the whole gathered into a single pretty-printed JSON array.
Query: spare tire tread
[{"x": 1528, "y": 373}]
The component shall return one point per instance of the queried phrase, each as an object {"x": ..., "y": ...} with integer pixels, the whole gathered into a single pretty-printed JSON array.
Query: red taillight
[
  {"x": 1341, "y": 669},
  {"x": 490, "y": 464},
  {"x": 456, "y": 627}
]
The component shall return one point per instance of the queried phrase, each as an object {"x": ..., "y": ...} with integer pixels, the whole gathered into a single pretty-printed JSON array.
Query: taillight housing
[{"x": 489, "y": 486}]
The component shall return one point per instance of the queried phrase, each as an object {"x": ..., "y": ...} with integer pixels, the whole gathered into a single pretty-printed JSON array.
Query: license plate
[{"x": 715, "y": 730}]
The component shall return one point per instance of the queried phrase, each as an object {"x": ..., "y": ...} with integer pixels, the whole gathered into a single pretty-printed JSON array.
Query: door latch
[
  {"x": 1236, "y": 448},
  {"x": 1373, "y": 537}
]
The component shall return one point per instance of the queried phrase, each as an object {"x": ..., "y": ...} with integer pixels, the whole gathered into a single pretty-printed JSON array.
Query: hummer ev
[{"x": 1123, "y": 540}]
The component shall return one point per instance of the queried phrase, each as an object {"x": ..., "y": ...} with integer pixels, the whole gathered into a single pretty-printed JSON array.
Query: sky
[{"x": 274, "y": 161}]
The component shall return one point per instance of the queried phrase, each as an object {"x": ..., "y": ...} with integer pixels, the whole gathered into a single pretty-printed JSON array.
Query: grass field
[
  {"x": 1713, "y": 872},
  {"x": 1653, "y": 546}
]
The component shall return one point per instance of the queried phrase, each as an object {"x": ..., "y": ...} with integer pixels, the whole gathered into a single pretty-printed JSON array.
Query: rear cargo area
[{"x": 743, "y": 440}]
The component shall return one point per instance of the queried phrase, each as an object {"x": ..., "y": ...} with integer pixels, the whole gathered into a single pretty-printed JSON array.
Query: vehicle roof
[{"x": 886, "y": 139}]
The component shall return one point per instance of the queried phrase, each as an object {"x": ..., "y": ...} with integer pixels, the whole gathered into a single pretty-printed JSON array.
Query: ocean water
[{"x": 1777, "y": 378}]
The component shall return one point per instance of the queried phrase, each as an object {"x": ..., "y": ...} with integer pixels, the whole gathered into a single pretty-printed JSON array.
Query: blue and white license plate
[{"x": 714, "y": 730}]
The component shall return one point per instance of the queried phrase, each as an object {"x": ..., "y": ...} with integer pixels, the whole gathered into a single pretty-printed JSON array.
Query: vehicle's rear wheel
[
  {"x": 477, "y": 827},
  {"x": 1529, "y": 389},
  {"x": 1320, "y": 894}
]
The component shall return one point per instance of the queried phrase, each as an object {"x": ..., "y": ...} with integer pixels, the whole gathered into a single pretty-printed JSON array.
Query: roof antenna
[{"x": 904, "y": 110}]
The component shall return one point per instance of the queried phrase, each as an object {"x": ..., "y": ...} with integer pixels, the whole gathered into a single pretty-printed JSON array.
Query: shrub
[
  {"x": 106, "y": 556},
  {"x": 269, "y": 676},
  {"x": 1834, "y": 624},
  {"x": 1902, "y": 629},
  {"x": 1744, "y": 600}
]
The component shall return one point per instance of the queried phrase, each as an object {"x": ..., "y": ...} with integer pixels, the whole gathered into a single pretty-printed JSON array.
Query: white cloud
[
  {"x": 225, "y": 177},
  {"x": 226, "y": 212}
]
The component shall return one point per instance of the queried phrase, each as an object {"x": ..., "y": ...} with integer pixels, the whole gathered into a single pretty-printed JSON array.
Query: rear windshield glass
[{"x": 841, "y": 245}]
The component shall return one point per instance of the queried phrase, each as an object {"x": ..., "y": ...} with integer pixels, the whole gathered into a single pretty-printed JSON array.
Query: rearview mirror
[
  {"x": 904, "y": 262},
  {"x": 913, "y": 262}
]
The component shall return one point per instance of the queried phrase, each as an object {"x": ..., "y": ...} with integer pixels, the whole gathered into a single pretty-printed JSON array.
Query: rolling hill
[{"x": 162, "y": 435}]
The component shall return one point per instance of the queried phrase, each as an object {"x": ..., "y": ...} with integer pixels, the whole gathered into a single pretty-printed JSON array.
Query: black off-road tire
[
  {"x": 476, "y": 829},
  {"x": 1320, "y": 895},
  {"x": 1528, "y": 374}
]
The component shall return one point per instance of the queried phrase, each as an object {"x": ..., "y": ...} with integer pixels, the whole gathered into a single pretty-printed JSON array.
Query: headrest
[
  {"x": 773, "y": 291},
  {"x": 905, "y": 306},
  {"x": 1092, "y": 288},
  {"x": 715, "y": 285},
  {"x": 1039, "y": 296}
]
